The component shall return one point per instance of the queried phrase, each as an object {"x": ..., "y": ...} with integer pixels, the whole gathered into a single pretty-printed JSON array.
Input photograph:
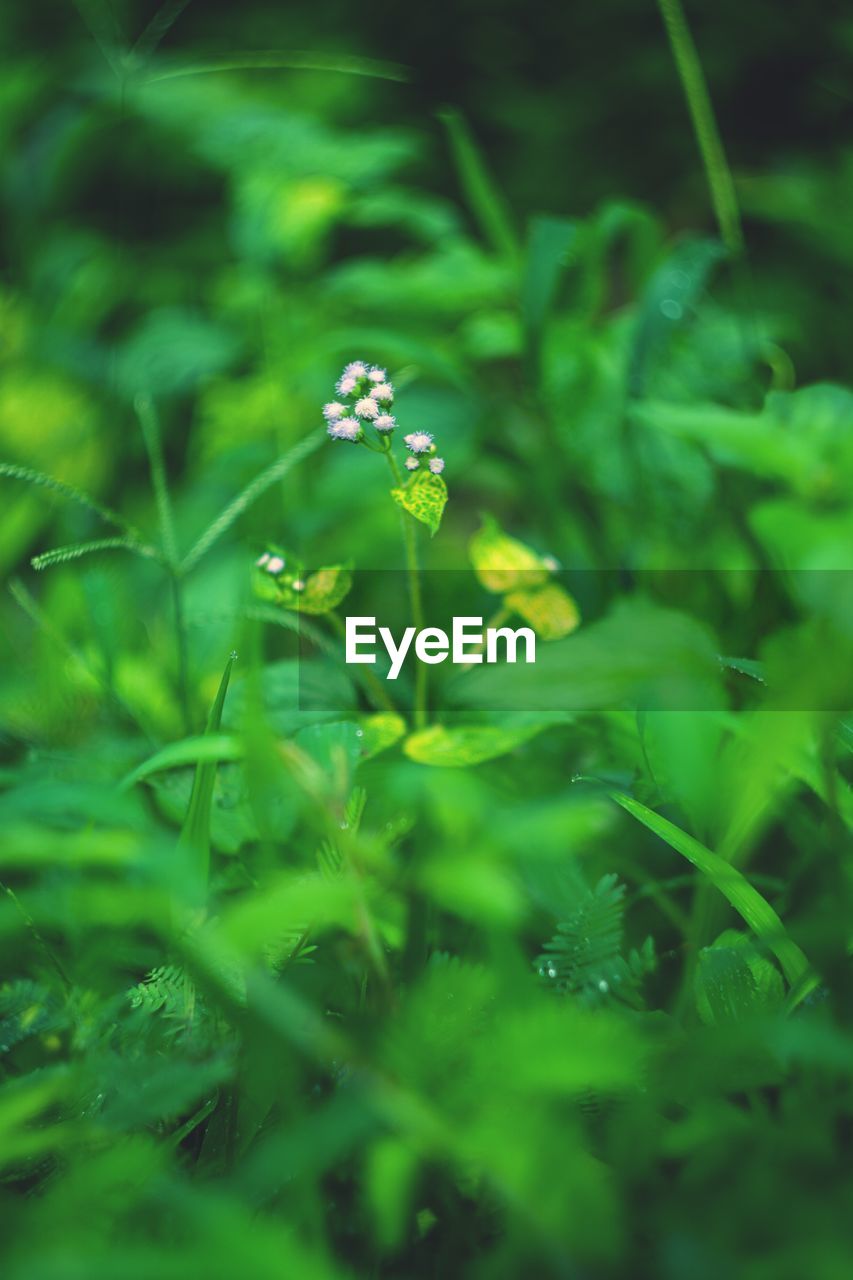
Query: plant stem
[
  {"x": 695, "y": 88},
  {"x": 498, "y": 618},
  {"x": 150, "y": 424},
  {"x": 181, "y": 639},
  {"x": 411, "y": 549},
  {"x": 379, "y": 694}
]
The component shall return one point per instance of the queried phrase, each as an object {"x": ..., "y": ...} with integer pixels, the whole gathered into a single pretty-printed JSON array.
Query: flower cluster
[
  {"x": 366, "y": 399},
  {"x": 366, "y": 396}
]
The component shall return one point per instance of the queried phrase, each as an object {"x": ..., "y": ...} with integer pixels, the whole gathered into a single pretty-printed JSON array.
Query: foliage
[{"x": 487, "y": 971}]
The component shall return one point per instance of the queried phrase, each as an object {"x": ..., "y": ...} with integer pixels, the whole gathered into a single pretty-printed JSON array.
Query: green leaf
[
  {"x": 731, "y": 883},
  {"x": 487, "y": 203},
  {"x": 455, "y": 748},
  {"x": 639, "y": 653},
  {"x": 502, "y": 563},
  {"x": 734, "y": 982},
  {"x": 549, "y": 609},
  {"x": 203, "y": 748},
  {"x": 424, "y": 497},
  {"x": 324, "y": 590},
  {"x": 549, "y": 247},
  {"x": 335, "y": 747},
  {"x": 668, "y": 300},
  {"x": 381, "y": 731}
]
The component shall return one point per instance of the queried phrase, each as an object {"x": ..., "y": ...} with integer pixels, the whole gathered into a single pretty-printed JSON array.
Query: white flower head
[
  {"x": 436, "y": 466},
  {"x": 377, "y": 375},
  {"x": 333, "y": 410},
  {"x": 366, "y": 408},
  {"x": 262, "y": 560},
  {"x": 297, "y": 584},
  {"x": 551, "y": 563},
  {"x": 385, "y": 422},
  {"x": 346, "y": 385},
  {"x": 418, "y": 441},
  {"x": 412, "y": 464},
  {"x": 383, "y": 391},
  {"x": 275, "y": 564},
  {"x": 345, "y": 429},
  {"x": 355, "y": 369}
]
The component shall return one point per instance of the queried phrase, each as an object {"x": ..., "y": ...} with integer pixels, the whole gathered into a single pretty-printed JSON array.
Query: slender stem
[
  {"x": 181, "y": 639},
  {"x": 149, "y": 422},
  {"x": 378, "y": 693},
  {"x": 693, "y": 82},
  {"x": 498, "y": 618},
  {"x": 411, "y": 549}
]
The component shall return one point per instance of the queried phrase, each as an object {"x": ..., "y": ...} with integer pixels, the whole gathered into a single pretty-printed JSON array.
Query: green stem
[
  {"x": 498, "y": 618},
  {"x": 181, "y": 640},
  {"x": 411, "y": 549},
  {"x": 695, "y": 88},
  {"x": 379, "y": 694},
  {"x": 149, "y": 422}
]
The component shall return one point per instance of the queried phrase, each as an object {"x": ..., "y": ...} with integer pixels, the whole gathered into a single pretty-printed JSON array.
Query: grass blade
[
  {"x": 487, "y": 204},
  {"x": 731, "y": 883},
  {"x": 195, "y": 835},
  {"x": 148, "y": 421},
  {"x": 254, "y": 490},
  {"x": 201, "y": 749},
  {"x": 286, "y": 60},
  {"x": 159, "y": 26}
]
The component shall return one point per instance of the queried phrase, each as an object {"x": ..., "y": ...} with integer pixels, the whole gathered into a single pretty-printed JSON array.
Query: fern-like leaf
[{"x": 584, "y": 958}]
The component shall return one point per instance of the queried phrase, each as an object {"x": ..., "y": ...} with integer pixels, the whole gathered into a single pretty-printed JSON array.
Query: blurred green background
[{"x": 447, "y": 1008}]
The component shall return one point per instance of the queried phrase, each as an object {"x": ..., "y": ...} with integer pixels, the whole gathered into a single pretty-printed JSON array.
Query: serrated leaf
[
  {"x": 502, "y": 563},
  {"x": 455, "y": 748},
  {"x": 424, "y": 497},
  {"x": 551, "y": 611}
]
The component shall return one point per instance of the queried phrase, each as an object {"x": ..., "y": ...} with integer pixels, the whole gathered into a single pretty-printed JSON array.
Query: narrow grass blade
[
  {"x": 254, "y": 490},
  {"x": 286, "y": 60},
  {"x": 148, "y": 421},
  {"x": 104, "y": 30},
  {"x": 76, "y": 550},
  {"x": 486, "y": 202},
  {"x": 731, "y": 883},
  {"x": 159, "y": 26},
  {"x": 201, "y": 749},
  {"x": 43, "y": 481},
  {"x": 195, "y": 836}
]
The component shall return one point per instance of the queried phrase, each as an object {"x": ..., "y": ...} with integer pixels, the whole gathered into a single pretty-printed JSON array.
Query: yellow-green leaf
[
  {"x": 323, "y": 590},
  {"x": 551, "y": 611},
  {"x": 424, "y": 497},
  {"x": 454, "y": 748},
  {"x": 503, "y": 563},
  {"x": 381, "y": 731}
]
